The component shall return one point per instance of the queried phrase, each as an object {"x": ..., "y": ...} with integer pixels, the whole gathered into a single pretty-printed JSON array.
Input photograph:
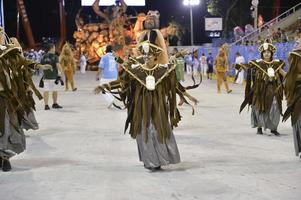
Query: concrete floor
[{"x": 80, "y": 152}]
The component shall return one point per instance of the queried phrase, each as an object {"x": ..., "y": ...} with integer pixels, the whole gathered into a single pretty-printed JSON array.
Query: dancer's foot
[
  {"x": 153, "y": 169},
  {"x": 56, "y": 106},
  {"x": 47, "y": 107},
  {"x": 229, "y": 91},
  {"x": 6, "y": 165},
  {"x": 275, "y": 132},
  {"x": 259, "y": 131},
  {"x": 74, "y": 89}
]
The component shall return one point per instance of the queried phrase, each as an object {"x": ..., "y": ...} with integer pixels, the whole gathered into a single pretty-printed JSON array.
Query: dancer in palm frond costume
[
  {"x": 148, "y": 89},
  {"x": 293, "y": 95},
  {"x": 16, "y": 99},
  {"x": 264, "y": 89}
]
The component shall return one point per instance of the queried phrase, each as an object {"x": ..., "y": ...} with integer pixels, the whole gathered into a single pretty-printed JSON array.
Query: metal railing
[{"x": 269, "y": 24}]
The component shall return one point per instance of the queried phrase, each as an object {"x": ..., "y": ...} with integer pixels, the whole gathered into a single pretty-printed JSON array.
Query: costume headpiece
[
  {"x": 154, "y": 15},
  {"x": 267, "y": 46}
]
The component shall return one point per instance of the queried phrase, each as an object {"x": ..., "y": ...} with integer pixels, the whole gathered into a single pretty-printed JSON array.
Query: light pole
[
  {"x": 255, "y": 6},
  {"x": 191, "y": 3}
]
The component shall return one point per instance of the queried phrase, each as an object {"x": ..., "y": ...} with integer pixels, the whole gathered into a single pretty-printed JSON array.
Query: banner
[
  {"x": 213, "y": 24},
  {"x": 112, "y": 2}
]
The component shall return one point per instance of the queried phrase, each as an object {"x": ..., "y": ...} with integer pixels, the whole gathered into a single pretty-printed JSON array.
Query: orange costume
[
  {"x": 68, "y": 65},
  {"x": 221, "y": 67}
]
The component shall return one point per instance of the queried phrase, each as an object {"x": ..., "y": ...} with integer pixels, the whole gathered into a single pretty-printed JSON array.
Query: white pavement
[{"x": 81, "y": 153}]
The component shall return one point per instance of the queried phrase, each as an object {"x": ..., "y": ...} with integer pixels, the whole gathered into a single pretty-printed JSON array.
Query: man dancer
[
  {"x": 149, "y": 90},
  {"x": 264, "y": 89}
]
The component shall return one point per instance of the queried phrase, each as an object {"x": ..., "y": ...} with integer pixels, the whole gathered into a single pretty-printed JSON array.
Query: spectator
[
  {"x": 203, "y": 64},
  {"x": 239, "y": 73},
  {"x": 108, "y": 71},
  {"x": 51, "y": 76},
  {"x": 210, "y": 66},
  {"x": 83, "y": 63}
]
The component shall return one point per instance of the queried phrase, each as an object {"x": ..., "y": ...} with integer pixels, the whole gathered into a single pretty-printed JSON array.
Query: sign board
[
  {"x": 112, "y": 2},
  {"x": 214, "y": 34},
  {"x": 213, "y": 24}
]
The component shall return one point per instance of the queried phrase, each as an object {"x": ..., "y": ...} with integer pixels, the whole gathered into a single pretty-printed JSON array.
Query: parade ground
[{"x": 81, "y": 153}]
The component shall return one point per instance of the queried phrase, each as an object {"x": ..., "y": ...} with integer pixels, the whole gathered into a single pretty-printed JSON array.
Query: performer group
[{"x": 135, "y": 69}]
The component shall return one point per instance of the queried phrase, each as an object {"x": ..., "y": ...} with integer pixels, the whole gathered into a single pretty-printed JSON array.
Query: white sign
[
  {"x": 213, "y": 24},
  {"x": 112, "y": 2}
]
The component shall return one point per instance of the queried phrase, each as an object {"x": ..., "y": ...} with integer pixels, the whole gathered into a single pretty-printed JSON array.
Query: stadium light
[{"x": 191, "y": 3}]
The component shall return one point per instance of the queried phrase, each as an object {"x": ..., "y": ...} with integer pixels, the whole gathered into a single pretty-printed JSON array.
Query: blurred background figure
[
  {"x": 82, "y": 64},
  {"x": 239, "y": 73},
  {"x": 68, "y": 65},
  {"x": 210, "y": 61},
  {"x": 203, "y": 64}
]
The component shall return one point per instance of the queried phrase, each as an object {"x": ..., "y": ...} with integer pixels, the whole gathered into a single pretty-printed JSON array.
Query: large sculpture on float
[
  {"x": 117, "y": 29},
  {"x": 91, "y": 39}
]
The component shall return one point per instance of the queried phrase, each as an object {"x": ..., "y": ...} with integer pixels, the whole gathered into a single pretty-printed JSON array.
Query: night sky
[{"x": 44, "y": 16}]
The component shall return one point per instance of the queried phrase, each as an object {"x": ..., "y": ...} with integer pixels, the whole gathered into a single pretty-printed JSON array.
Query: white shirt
[{"x": 239, "y": 60}]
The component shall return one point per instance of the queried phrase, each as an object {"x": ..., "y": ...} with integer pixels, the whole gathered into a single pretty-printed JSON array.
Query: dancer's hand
[
  {"x": 98, "y": 89},
  {"x": 44, "y": 67},
  {"x": 191, "y": 98}
]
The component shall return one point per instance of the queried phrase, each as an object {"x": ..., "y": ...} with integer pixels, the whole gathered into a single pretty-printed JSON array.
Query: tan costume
[
  {"x": 68, "y": 65},
  {"x": 221, "y": 68}
]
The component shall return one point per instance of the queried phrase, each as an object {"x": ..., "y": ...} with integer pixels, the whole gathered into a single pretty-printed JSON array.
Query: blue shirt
[
  {"x": 210, "y": 60},
  {"x": 109, "y": 66}
]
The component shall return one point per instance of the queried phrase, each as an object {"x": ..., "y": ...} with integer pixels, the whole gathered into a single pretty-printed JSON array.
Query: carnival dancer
[
  {"x": 16, "y": 99},
  {"x": 264, "y": 89},
  {"x": 68, "y": 65},
  {"x": 149, "y": 89},
  {"x": 292, "y": 88},
  {"x": 221, "y": 67},
  {"x": 177, "y": 59}
]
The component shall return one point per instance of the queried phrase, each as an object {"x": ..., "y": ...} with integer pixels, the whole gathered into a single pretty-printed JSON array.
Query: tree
[{"x": 231, "y": 12}]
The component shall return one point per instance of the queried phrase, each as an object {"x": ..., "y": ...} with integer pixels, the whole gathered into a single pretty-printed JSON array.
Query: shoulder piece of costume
[
  {"x": 141, "y": 73},
  {"x": 6, "y": 49},
  {"x": 296, "y": 52}
]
